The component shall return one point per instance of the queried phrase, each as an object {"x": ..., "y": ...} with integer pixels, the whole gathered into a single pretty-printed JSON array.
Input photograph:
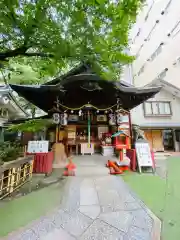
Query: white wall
[
  {"x": 137, "y": 114},
  {"x": 126, "y": 75},
  {"x": 170, "y": 50}
]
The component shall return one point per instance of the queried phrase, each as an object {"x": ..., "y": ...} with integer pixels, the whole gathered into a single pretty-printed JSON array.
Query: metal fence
[{"x": 13, "y": 175}]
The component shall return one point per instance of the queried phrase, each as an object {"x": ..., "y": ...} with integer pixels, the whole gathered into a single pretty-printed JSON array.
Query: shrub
[{"x": 10, "y": 151}]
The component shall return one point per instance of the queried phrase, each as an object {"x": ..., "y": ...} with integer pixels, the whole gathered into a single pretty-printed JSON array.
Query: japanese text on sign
[
  {"x": 38, "y": 146},
  {"x": 143, "y": 152}
]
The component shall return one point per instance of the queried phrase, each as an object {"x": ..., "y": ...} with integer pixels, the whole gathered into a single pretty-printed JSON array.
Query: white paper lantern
[
  {"x": 56, "y": 118},
  {"x": 112, "y": 119},
  {"x": 64, "y": 119}
]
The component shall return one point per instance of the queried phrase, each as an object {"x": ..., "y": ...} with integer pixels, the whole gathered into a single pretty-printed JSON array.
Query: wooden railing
[{"x": 14, "y": 174}]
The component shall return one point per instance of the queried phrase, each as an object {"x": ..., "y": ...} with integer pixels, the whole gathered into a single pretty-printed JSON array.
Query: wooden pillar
[
  {"x": 130, "y": 129},
  {"x": 121, "y": 154},
  {"x": 57, "y": 133},
  {"x": 1, "y": 183}
]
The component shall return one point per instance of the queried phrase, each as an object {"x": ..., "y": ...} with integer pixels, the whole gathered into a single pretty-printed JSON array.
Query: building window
[
  {"x": 141, "y": 70},
  {"x": 156, "y": 52},
  {"x": 162, "y": 75},
  {"x": 149, "y": 10},
  {"x": 150, "y": 33},
  {"x": 157, "y": 108},
  {"x": 165, "y": 11},
  {"x": 138, "y": 33},
  {"x": 177, "y": 62},
  {"x": 176, "y": 29},
  {"x": 138, "y": 52}
]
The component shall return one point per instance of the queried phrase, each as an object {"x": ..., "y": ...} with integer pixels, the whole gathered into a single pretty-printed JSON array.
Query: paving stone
[
  {"x": 87, "y": 183},
  {"x": 124, "y": 192},
  {"x": 100, "y": 230},
  {"x": 135, "y": 233},
  {"x": 127, "y": 197},
  {"x": 107, "y": 208},
  {"x": 132, "y": 206},
  {"x": 116, "y": 190},
  {"x": 88, "y": 196},
  {"x": 84, "y": 171},
  {"x": 108, "y": 211},
  {"x": 77, "y": 224},
  {"x": 113, "y": 207},
  {"x": 110, "y": 201},
  {"x": 43, "y": 227},
  {"x": 119, "y": 183},
  {"x": 58, "y": 234},
  {"x": 71, "y": 206},
  {"x": 28, "y": 234},
  {"x": 142, "y": 220},
  {"x": 70, "y": 198},
  {"x": 108, "y": 197},
  {"x": 60, "y": 218},
  {"x": 90, "y": 211},
  {"x": 120, "y": 220},
  {"x": 103, "y": 183}
]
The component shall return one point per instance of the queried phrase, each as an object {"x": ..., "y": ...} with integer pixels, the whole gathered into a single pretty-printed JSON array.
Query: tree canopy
[
  {"x": 56, "y": 33},
  {"x": 22, "y": 74},
  {"x": 33, "y": 125}
]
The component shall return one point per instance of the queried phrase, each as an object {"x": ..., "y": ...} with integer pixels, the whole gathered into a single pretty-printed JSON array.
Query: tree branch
[
  {"x": 21, "y": 51},
  {"x": 39, "y": 54},
  {"x": 13, "y": 53}
]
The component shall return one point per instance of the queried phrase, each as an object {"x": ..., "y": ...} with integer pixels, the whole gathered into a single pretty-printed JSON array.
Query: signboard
[
  {"x": 101, "y": 118},
  {"x": 38, "y": 146},
  {"x": 143, "y": 152},
  {"x": 73, "y": 118},
  {"x": 122, "y": 118}
]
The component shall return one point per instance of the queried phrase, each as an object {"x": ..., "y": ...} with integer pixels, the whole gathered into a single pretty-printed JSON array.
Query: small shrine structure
[{"x": 86, "y": 109}]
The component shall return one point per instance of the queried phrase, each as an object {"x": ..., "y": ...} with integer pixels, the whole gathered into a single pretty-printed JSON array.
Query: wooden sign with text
[{"x": 143, "y": 153}]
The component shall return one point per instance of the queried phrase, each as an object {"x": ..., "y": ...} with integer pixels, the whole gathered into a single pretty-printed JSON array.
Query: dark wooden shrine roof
[{"x": 81, "y": 86}]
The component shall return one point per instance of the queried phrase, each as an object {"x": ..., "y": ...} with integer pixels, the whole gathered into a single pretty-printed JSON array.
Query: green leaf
[
  {"x": 34, "y": 125},
  {"x": 70, "y": 31}
]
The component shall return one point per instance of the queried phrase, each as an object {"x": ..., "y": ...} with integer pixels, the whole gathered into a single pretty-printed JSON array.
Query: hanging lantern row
[
  {"x": 89, "y": 107},
  {"x": 81, "y": 112},
  {"x": 61, "y": 119},
  {"x": 114, "y": 118}
]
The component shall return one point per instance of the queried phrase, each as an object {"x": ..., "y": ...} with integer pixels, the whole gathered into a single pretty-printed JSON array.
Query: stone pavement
[{"x": 95, "y": 206}]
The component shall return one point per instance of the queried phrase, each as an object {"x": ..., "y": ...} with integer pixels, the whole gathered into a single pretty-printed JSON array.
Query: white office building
[{"x": 154, "y": 40}]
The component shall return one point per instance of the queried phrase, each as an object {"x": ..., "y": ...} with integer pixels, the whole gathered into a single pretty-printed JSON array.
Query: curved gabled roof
[{"x": 81, "y": 86}]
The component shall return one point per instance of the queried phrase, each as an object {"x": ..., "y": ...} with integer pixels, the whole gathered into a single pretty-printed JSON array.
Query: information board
[
  {"x": 38, "y": 146},
  {"x": 143, "y": 154}
]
